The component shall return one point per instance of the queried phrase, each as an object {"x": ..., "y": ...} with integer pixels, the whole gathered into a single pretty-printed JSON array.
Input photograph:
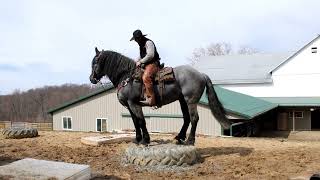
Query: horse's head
[
  {"x": 96, "y": 72},
  {"x": 111, "y": 64}
]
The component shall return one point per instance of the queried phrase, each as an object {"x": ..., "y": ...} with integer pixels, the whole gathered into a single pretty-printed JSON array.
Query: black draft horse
[{"x": 188, "y": 89}]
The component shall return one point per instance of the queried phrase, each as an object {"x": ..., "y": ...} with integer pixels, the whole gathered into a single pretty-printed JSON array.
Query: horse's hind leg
[
  {"x": 194, "y": 121},
  {"x": 186, "y": 121}
]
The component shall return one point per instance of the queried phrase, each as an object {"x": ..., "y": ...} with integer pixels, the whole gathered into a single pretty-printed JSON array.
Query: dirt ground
[{"x": 222, "y": 158}]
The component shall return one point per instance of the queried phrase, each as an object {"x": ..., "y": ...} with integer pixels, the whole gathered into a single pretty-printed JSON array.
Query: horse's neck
[
  {"x": 117, "y": 79},
  {"x": 117, "y": 75}
]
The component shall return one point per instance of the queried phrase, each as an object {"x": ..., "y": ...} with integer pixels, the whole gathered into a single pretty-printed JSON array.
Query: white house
[{"x": 290, "y": 80}]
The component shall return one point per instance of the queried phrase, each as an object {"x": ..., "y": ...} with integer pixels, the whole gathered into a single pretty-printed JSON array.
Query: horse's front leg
[
  {"x": 137, "y": 127},
  {"x": 137, "y": 113}
]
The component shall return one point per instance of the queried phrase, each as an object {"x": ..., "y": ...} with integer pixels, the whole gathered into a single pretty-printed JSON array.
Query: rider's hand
[{"x": 138, "y": 63}]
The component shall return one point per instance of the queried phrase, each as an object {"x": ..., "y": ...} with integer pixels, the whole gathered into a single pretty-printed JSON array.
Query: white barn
[
  {"x": 271, "y": 92},
  {"x": 289, "y": 80}
]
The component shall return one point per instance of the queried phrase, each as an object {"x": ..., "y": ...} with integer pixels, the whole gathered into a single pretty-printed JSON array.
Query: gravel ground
[{"x": 221, "y": 158}]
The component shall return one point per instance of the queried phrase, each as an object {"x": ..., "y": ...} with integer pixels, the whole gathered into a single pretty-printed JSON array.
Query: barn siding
[
  {"x": 84, "y": 113},
  {"x": 106, "y": 105}
]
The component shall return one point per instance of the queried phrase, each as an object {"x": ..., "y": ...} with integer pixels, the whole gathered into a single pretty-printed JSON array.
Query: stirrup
[{"x": 155, "y": 107}]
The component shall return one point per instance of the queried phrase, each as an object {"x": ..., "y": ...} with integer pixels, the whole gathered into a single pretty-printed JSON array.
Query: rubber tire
[
  {"x": 162, "y": 155},
  {"x": 18, "y": 133}
]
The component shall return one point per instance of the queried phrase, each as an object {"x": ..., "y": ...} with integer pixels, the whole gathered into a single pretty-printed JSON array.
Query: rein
[{"x": 123, "y": 84}]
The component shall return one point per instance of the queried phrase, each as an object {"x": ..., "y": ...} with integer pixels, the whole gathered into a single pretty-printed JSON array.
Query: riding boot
[{"x": 150, "y": 97}]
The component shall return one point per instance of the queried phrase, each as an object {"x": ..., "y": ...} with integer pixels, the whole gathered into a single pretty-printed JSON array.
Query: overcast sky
[{"x": 51, "y": 42}]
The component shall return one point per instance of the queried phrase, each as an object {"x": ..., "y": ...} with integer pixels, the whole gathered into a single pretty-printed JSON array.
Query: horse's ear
[{"x": 97, "y": 51}]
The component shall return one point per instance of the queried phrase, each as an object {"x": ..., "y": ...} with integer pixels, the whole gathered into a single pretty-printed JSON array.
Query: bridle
[{"x": 97, "y": 61}]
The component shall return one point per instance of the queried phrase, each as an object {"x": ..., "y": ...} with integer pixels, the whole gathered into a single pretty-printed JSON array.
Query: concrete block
[
  {"x": 40, "y": 170},
  {"x": 114, "y": 138}
]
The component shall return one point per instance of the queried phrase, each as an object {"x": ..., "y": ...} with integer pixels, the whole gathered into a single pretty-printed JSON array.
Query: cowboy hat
[{"x": 137, "y": 34}]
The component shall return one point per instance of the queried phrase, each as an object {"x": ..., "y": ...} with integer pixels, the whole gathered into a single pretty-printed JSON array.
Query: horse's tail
[{"x": 215, "y": 105}]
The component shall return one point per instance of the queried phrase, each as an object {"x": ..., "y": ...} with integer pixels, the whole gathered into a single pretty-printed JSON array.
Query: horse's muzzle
[{"x": 93, "y": 80}]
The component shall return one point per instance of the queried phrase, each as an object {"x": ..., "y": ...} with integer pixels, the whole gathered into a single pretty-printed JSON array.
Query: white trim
[
  {"x": 101, "y": 124},
  {"x": 67, "y": 123}
]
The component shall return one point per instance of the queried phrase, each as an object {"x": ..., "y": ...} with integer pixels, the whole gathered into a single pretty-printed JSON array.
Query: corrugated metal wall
[{"x": 106, "y": 105}]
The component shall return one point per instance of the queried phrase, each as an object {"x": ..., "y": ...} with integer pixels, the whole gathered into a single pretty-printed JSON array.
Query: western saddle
[{"x": 164, "y": 76}]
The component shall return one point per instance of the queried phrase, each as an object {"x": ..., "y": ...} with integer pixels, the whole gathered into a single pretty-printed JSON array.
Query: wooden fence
[
  {"x": 5, "y": 124},
  {"x": 39, "y": 126},
  {"x": 42, "y": 126}
]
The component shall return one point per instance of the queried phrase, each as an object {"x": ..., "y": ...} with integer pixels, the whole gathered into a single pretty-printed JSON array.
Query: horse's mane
[{"x": 116, "y": 66}]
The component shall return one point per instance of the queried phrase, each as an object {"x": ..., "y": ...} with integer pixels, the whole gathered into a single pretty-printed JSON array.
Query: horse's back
[
  {"x": 184, "y": 72},
  {"x": 191, "y": 82}
]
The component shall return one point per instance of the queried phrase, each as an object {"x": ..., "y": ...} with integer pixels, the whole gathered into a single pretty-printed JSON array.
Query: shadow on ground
[
  {"x": 6, "y": 160},
  {"x": 102, "y": 177},
  {"x": 275, "y": 134}
]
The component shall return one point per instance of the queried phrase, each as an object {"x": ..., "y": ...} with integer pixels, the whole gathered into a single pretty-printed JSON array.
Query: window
[
  {"x": 297, "y": 114},
  {"x": 314, "y": 50},
  {"x": 101, "y": 124},
  {"x": 67, "y": 123}
]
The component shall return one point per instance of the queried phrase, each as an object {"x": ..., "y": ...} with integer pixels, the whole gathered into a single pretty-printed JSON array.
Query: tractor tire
[
  {"x": 18, "y": 133},
  {"x": 162, "y": 155}
]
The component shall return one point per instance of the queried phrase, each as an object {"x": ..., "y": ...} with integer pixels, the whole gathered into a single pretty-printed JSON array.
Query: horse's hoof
[
  {"x": 136, "y": 142},
  {"x": 190, "y": 142},
  {"x": 178, "y": 141},
  {"x": 145, "y": 141}
]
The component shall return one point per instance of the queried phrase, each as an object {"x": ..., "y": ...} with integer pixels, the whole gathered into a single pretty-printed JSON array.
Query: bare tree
[
  {"x": 247, "y": 50},
  {"x": 16, "y": 105},
  {"x": 39, "y": 97},
  {"x": 218, "y": 49}
]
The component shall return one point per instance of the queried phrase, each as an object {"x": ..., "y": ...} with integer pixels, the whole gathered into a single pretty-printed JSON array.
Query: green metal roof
[
  {"x": 294, "y": 101},
  {"x": 82, "y": 98},
  {"x": 233, "y": 102},
  {"x": 240, "y": 104}
]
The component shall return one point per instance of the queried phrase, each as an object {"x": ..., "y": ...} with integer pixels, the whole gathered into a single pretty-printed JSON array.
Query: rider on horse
[{"x": 149, "y": 60}]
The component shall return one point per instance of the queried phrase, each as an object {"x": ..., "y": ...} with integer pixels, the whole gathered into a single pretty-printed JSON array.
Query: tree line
[{"x": 32, "y": 105}]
